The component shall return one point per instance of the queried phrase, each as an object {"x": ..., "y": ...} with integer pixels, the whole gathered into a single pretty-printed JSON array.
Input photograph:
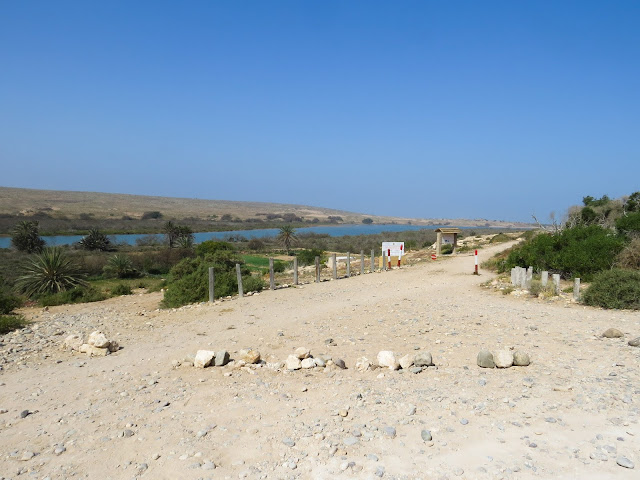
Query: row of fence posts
[
  {"x": 522, "y": 278},
  {"x": 272, "y": 282}
]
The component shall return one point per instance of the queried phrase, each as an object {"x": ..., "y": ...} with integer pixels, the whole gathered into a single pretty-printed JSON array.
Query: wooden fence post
[
  {"x": 317, "y": 269},
  {"x": 373, "y": 261},
  {"x": 212, "y": 295},
  {"x": 239, "y": 275},
  {"x": 361, "y": 262},
  {"x": 295, "y": 271},
  {"x": 272, "y": 281},
  {"x": 335, "y": 266}
]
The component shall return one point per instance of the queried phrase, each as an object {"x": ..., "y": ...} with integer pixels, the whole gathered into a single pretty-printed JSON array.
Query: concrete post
[
  {"x": 335, "y": 266},
  {"x": 373, "y": 261},
  {"x": 295, "y": 271},
  {"x": 544, "y": 278},
  {"x": 576, "y": 289},
  {"x": 239, "y": 275},
  {"x": 317, "y": 269},
  {"x": 348, "y": 264},
  {"x": 556, "y": 282},
  {"x": 529, "y": 278},
  {"x": 361, "y": 262},
  {"x": 272, "y": 281},
  {"x": 211, "y": 285},
  {"x": 513, "y": 276},
  {"x": 384, "y": 260},
  {"x": 438, "y": 243}
]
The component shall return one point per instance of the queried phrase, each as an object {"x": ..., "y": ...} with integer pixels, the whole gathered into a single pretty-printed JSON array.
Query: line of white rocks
[{"x": 96, "y": 345}]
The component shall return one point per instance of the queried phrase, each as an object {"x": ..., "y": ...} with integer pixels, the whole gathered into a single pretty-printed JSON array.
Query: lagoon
[{"x": 331, "y": 230}]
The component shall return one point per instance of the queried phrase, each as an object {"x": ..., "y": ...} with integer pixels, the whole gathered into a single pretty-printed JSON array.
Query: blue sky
[{"x": 467, "y": 109}]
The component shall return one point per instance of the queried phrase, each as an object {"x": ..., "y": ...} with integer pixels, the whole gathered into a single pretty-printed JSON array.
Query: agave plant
[
  {"x": 120, "y": 266},
  {"x": 50, "y": 271}
]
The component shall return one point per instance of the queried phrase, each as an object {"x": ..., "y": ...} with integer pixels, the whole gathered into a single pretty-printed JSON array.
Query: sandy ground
[{"x": 570, "y": 414}]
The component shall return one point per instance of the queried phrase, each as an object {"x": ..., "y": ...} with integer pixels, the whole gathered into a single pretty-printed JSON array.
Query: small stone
[
  {"x": 25, "y": 413},
  {"x": 482, "y": 382},
  {"x": 302, "y": 352},
  {"x": 94, "y": 351},
  {"x": 127, "y": 433},
  {"x": 142, "y": 467},
  {"x": 349, "y": 441},
  {"x": 624, "y": 462},
  {"x": 113, "y": 346},
  {"x": 485, "y": 359},
  {"x": 389, "y": 431},
  {"x": 635, "y": 342},
  {"x": 293, "y": 363},
  {"x": 379, "y": 472},
  {"x": 320, "y": 362},
  {"x": 98, "y": 340},
  {"x": 73, "y": 342},
  {"x": 59, "y": 450},
  {"x": 27, "y": 456},
  {"x": 289, "y": 442},
  {"x": 503, "y": 358},
  {"x": 464, "y": 421},
  {"x": 388, "y": 359},
  {"x": 203, "y": 358},
  {"x": 308, "y": 363},
  {"x": 416, "y": 369},
  {"x": 338, "y": 362},
  {"x": 406, "y": 361},
  {"x": 372, "y": 457},
  {"x": 208, "y": 466},
  {"x": 426, "y": 435},
  {"x": 221, "y": 358},
  {"x": 250, "y": 356},
  {"x": 521, "y": 359},
  {"x": 363, "y": 364},
  {"x": 612, "y": 333},
  {"x": 423, "y": 359}
]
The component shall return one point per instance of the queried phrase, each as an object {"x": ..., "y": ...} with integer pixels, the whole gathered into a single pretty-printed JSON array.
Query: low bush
[
  {"x": 121, "y": 289},
  {"x": 629, "y": 257},
  {"x": 614, "y": 289},
  {"x": 308, "y": 257},
  {"x": 252, "y": 283},
  {"x": 446, "y": 249},
  {"x": 211, "y": 247},
  {"x": 74, "y": 295},
  {"x": 537, "y": 288},
  {"x": 8, "y": 303},
  {"x": 9, "y": 323},
  {"x": 500, "y": 238},
  {"x": 120, "y": 266}
]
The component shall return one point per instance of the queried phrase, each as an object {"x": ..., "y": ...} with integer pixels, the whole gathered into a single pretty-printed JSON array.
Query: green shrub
[
  {"x": 25, "y": 237},
  {"x": 188, "y": 281},
  {"x": 614, "y": 289},
  {"x": 500, "y": 238},
  {"x": 74, "y": 295},
  {"x": 308, "y": 257},
  {"x": 8, "y": 323},
  {"x": 279, "y": 266},
  {"x": 446, "y": 249},
  {"x": 95, "y": 240},
  {"x": 8, "y": 303},
  {"x": 252, "y": 284},
  {"x": 536, "y": 289},
  {"x": 629, "y": 257},
  {"x": 629, "y": 223},
  {"x": 211, "y": 247},
  {"x": 580, "y": 251},
  {"x": 121, "y": 289}
]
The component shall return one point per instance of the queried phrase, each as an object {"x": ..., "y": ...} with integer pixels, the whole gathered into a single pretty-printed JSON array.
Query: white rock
[
  {"x": 387, "y": 358},
  {"x": 302, "y": 352},
  {"x": 94, "y": 351},
  {"x": 98, "y": 340},
  {"x": 308, "y": 363},
  {"x": 293, "y": 363},
  {"x": 203, "y": 358},
  {"x": 407, "y": 361},
  {"x": 363, "y": 364},
  {"x": 503, "y": 358},
  {"x": 73, "y": 342}
]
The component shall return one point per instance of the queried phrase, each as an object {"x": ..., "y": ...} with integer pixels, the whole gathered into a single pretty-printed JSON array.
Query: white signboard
[{"x": 393, "y": 249}]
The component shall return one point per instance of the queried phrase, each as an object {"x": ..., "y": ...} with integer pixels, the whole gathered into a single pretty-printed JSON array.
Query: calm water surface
[{"x": 334, "y": 231}]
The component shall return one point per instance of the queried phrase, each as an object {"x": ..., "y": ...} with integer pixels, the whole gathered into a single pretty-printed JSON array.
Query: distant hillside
[{"x": 53, "y": 208}]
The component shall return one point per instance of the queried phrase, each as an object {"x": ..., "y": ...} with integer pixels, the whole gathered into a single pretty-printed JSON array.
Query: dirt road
[{"x": 573, "y": 413}]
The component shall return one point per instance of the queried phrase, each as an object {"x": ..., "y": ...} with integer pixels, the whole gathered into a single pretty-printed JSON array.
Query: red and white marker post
[
  {"x": 389, "y": 257},
  {"x": 434, "y": 256},
  {"x": 400, "y": 256},
  {"x": 476, "y": 259}
]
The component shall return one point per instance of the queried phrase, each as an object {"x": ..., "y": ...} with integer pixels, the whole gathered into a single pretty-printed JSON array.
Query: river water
[{"x": 334, "y": 231}]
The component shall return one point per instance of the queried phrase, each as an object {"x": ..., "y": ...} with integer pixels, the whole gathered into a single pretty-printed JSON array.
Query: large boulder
[
  {"x": 521, "y": 359},
  {"x": 221, "y": 358},
  {"x": 293, "y": 363},
  {"x": 203, "y": 358},
  {"x": 249, "y": 356}
]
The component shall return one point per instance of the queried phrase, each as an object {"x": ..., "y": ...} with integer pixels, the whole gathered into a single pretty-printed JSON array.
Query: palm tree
[
  {"x": 287, "y": 236},
  {"x": 96, "y": 240},
  {"x": 50, "y": 271},
  {"x": 26, "y": 238},
  {"x": 170, "y": 232},
  {"x": 120, "y": 266}
]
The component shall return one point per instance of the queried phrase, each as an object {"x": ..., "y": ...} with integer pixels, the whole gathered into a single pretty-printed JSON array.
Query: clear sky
[{"x": 492, "y": 109}]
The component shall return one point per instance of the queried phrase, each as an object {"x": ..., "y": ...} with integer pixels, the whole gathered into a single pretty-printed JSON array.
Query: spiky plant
[
  {"x": 50, "y": 271},
  {"x": 120, "y": 266},
  {"x": 25, "y": 237},
  {"x": 287, "y": 235}
]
